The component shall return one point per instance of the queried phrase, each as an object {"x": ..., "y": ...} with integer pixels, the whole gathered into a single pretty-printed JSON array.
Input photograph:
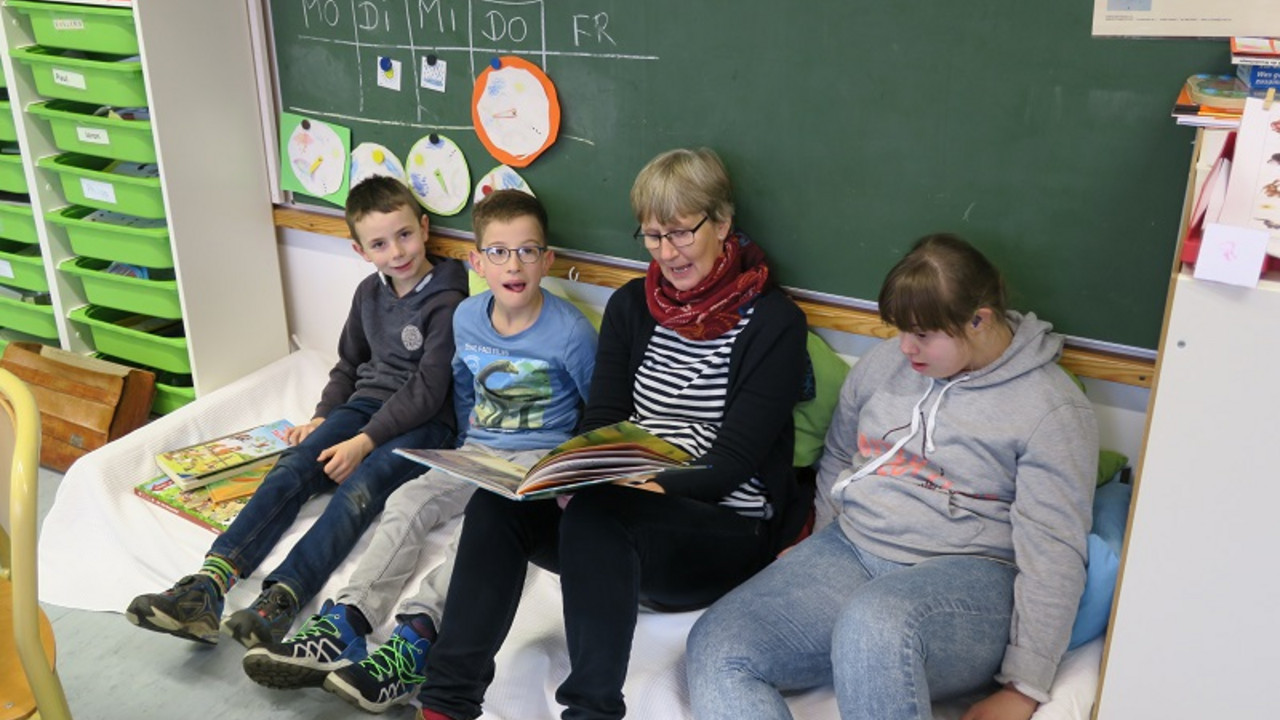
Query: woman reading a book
[{"x": 705, "y": 352}]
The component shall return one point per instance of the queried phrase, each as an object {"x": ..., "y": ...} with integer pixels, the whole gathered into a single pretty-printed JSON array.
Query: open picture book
[{"x": 615, "y": 452}]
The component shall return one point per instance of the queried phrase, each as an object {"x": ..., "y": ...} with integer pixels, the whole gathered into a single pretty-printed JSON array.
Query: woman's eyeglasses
[{"x": 677, "y": 238}]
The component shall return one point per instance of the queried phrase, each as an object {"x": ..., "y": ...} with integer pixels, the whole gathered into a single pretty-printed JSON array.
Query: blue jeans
[
  {"x": 298, "y": 477},
  {"x": 890, "y": 637}
]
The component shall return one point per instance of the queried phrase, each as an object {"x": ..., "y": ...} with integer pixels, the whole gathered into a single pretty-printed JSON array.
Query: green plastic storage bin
[
  {"x": 12, "y": 177},
  {"x": 17, "y": 222},
  {"x": 22, "y": 267},
  {"x": 37, "y": 320},
  {"x": 111, "y": 236},
  {"x": 80, "y": 27},
  {"x": 171, "y": 397},
  {"x": 121, "y": 292},
  {"x": 8, "y": 131},
  {"x": 77, "y": 129},
  {"x": 92, "y": 181},
  {"x": 102, "y": 79},
  {"x": 164, "y": 348},
  {"x": 173, "y": 390}
]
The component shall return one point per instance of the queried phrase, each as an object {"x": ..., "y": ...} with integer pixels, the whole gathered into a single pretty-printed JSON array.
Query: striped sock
[{"x": 222, "y": 572}]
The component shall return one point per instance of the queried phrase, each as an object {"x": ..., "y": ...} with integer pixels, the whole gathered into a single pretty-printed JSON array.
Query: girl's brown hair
[{"x": 940, "y": 285}]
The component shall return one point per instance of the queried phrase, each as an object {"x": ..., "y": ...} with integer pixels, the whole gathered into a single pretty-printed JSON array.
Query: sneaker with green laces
[
  {"x": 267, "y": 620},
  {"x": 326, "y": 642},
  {"x": 389, "y": 677},
  {"x": 190, "y": 610}
]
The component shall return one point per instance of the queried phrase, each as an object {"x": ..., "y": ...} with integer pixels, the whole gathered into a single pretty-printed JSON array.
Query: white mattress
[{"x": 101, "y": 546}]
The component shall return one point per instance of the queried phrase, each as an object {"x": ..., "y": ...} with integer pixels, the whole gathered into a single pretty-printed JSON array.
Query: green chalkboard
[{"x": 850, "y": 127}]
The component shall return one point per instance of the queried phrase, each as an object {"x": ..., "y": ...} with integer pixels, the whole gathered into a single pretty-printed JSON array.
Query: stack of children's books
[
  {"x": 210, "y": 482},
  {"x": 1217, "y": 100}
]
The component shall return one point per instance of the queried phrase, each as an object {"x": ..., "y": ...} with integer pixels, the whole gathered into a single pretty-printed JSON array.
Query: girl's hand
[
  {"x": 1004, "y": 704},
  {"x": 342, "y": 459},
  {"x": 298, "y": 433}
]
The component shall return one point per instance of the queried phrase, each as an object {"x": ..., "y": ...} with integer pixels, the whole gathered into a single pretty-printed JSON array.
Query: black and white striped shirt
[{"x": 679, "y": 394}]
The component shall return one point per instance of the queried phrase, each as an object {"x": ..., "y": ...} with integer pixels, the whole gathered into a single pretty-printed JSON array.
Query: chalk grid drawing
[{"x": 433, "y": 29}]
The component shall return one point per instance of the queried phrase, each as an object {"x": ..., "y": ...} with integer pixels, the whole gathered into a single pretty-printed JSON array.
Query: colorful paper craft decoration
[
  {"x": 500, "y": 178},
  {"x": 438, "y": 175},
  {"x": 515, "y": 110},
  {"x": 314, "y": 157},
  {"x": 370, "y": 159}
]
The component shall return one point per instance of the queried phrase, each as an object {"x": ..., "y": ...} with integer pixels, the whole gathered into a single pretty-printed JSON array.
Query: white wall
[{"x": 321, "y": 272}]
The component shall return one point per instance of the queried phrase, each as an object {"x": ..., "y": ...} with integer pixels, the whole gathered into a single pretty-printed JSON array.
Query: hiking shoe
[
  {"x": 190, "y": 610},
  {"x": 325, "y": 643},
  {"x": 389, "y": 677},
  {"x": 267, "y": 620}
]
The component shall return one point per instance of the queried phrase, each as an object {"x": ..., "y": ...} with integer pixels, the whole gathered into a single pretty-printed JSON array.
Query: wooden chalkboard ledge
[{"x": 1083, "y": 362}]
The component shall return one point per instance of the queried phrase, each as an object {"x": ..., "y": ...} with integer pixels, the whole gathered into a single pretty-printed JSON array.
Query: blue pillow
[{"x": 1110, "y": 513}]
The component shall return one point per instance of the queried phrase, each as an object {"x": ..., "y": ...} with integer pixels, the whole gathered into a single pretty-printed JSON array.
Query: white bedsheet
[{"x": 101, "y": 546}]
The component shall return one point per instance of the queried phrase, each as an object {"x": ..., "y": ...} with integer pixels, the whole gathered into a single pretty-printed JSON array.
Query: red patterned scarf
[{"x": 711, "y": 308}]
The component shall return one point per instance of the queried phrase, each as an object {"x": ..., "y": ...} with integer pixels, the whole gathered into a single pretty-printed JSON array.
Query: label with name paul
[{"x": 68, "y": 78}]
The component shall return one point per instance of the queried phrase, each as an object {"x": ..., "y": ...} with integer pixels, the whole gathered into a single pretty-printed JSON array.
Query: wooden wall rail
[{"x": 1083, "y": 362}]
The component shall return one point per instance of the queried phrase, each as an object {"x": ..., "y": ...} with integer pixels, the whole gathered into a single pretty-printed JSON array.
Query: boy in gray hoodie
[
  {"x": 391, "y": 388},
  {"x": 959, "y": 468}
]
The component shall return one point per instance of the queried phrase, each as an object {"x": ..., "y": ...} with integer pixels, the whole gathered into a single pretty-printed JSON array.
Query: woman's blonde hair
[
  {"x": 940, "y": 285},
  {"x": 682, "y": 182}
]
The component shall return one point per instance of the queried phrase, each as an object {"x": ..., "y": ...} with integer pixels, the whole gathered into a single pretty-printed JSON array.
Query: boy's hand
[
  {"x": 342, "y": 459},
  {"x": 1004, "y": 704},
  {"x": 298, "y": 433}
]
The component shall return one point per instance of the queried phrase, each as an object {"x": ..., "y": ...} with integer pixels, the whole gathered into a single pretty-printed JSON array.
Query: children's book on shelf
[
  {"x": 615, "y": 452},
  {"x": 1263, "y": 51},
  {"x": 200, "y": 464},
  {"x": 1189, "y": 112},
  {"x": 211, "y": 506}
]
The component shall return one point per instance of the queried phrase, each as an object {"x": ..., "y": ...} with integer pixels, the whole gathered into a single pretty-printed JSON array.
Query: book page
[{"x": 488, "y": 471}]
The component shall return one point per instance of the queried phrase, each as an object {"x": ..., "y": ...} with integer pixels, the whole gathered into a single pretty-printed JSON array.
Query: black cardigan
[{"x": 757, "y": 436}]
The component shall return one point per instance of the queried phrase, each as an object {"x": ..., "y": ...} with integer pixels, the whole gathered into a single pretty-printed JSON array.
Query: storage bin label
[
  {"x": 68, "y": 78},
  {"x": 68, "y": 24},
  {"x": 98, "y": 190},
  {"x": 97, "y": 136},
  {"x": 6, "y": 269}
]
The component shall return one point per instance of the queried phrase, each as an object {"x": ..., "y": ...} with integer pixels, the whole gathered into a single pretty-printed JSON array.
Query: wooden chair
[{"x": 29, "y": 685}]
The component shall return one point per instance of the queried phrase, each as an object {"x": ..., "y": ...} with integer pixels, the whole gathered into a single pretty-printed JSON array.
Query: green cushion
[
  {"x": 813, "y": 416},
  {"x": 1110, "y": 462}
]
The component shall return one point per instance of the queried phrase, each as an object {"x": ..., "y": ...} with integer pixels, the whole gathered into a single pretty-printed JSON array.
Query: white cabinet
[
  {"x": 202, "y": 93},
  {"x": 1195, "y": 632}
]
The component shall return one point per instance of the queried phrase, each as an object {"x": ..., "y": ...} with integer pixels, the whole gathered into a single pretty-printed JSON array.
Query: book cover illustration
[
  {"x": 211, "y": 506},
  {"x": 202, "y": 463},
  {"x": 615, "y": 452}
]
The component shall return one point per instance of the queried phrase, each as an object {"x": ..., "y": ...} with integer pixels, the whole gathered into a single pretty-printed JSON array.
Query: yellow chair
[{"x": 29, "y": 685}]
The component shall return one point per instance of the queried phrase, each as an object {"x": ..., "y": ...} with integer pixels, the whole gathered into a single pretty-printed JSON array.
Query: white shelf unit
[
  {"x": 1193, "y": 634},
  {"x": 202, "y": 88}
]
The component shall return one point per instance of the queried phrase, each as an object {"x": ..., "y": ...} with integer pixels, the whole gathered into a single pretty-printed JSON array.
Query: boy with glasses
[{"x": 522, "y": 366}]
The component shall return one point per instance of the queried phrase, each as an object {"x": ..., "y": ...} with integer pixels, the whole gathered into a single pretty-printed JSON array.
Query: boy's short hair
[
  {"x": 379, "y": 193},
  {"x": 504, "y": 206},
  {"x": 939, "y": 285},
  {"x": 682, "y": 182}
]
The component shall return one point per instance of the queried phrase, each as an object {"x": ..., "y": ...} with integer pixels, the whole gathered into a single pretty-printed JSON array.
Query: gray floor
[{"x": 112, "y": 670}]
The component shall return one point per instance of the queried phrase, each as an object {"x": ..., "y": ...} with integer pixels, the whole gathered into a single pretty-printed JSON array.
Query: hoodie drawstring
[{"x": 930, "y": 425}]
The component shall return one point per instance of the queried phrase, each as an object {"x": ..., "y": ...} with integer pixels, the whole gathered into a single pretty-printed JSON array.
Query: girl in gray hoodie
[{"x": 959, "y": 472}]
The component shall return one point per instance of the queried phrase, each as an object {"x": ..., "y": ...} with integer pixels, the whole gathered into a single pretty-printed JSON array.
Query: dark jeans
[
  {"x": 298, "y": 477},
  {"x": 614, "y": 547}
]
